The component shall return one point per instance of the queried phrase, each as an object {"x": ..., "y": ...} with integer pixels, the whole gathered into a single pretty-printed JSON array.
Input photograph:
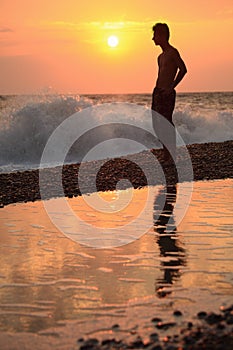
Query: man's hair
[{"x": 163, "y": 29}]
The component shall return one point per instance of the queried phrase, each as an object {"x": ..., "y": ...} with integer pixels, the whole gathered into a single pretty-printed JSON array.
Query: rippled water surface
[{"x": 48, "y": 280}]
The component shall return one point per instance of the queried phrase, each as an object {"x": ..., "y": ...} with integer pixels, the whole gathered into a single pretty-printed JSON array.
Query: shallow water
[{"x": 48, "y": 280}]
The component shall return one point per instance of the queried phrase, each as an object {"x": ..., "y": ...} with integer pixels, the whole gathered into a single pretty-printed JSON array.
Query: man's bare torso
[{"x": 167, "y": 62}]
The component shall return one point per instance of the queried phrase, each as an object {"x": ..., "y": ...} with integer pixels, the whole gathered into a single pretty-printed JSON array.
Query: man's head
[{"x": 161, "y": 33}]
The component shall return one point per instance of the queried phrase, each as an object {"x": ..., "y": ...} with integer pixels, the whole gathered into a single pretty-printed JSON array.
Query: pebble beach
[{"x": 209, "y": 161}]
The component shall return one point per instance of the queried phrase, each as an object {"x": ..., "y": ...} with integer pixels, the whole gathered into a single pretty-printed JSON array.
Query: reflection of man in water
[
  {"x": 171, "y": 251},
  {"x": 171, "y": 71}
]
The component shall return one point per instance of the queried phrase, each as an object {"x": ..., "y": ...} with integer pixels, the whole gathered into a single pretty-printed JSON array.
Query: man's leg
[
  {"x": 171, "y": 132},
  {"x": 164, "y": 105}
]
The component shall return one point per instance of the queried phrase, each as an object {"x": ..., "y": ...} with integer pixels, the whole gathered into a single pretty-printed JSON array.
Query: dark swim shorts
[{"x": 163, "y": 103}]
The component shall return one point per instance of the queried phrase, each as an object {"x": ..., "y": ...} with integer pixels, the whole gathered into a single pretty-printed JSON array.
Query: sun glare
[{"x": 113, "y": 41}]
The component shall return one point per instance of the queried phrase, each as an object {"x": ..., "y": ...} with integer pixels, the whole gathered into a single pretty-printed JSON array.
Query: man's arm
[{"x": 182, "y": 70}]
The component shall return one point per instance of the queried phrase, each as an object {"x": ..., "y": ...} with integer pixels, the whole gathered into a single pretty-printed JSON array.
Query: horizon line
[{"x": 109, "y": 93}]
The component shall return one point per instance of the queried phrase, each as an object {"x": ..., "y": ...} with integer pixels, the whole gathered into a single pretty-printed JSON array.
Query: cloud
[
  {"x": 132, "y": 26},
  {"x": 5, "y": 29},
  {"x": 225, "y": 12}
]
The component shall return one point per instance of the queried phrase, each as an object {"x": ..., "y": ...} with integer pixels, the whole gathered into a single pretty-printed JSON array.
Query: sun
[{"x": 113, "y": 41}]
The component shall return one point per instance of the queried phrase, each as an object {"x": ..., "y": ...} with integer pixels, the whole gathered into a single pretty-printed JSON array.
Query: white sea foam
[
  {"x": 204, "y": 126},
  {"x": 25, "y": 127}
]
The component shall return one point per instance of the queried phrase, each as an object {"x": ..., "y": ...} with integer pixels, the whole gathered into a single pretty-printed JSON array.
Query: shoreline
[
  {"x": 205, "y": 330},
  {"x": 209, "y": 331},
  {"x": 210, "y": 161}
]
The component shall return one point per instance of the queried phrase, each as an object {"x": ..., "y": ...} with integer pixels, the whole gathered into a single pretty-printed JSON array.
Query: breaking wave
[{"x": 25, "y": 130}]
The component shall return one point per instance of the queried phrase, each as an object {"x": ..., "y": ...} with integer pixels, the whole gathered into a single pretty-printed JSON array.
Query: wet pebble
[
  {"x": 201, "y": 314},
  {"x": 189, "y": 339},
  {"x": 167, "y": 325},
  {"x": 190, "y": 325},
  {"x": 109, "y": 342},
  {"x": 213, "y": 318},
  {"x": 154, "y": 337},
  {"x": 220, "y": 326},
  {"x": 115, "y": 326},
  {"x": 80, "y": 340},
  {"x": 228, "y": 310},
  {"x": 138, "y": 343},
  {"x": 229, "y": 319},
  {"x": 89, "y": 344},
  {"x": 177, "y": 313},
  {"x": 156, "y": 320}
]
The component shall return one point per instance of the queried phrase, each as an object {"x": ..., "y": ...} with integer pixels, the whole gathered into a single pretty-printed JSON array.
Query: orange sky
[{"x": 63, "y": 45}]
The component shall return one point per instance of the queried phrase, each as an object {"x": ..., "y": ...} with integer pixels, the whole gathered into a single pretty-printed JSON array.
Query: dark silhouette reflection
[{"x": 171, "y": 250}]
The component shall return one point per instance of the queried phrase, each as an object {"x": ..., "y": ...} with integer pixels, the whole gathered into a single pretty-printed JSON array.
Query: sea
[{"x": 28, "y": 121}]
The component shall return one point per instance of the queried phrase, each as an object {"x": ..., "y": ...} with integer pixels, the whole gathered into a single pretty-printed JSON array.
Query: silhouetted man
[{"x": 171, "y": 71}]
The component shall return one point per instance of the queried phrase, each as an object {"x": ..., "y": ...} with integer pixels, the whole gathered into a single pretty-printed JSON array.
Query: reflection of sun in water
[{"x": 113, "y": 41}]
